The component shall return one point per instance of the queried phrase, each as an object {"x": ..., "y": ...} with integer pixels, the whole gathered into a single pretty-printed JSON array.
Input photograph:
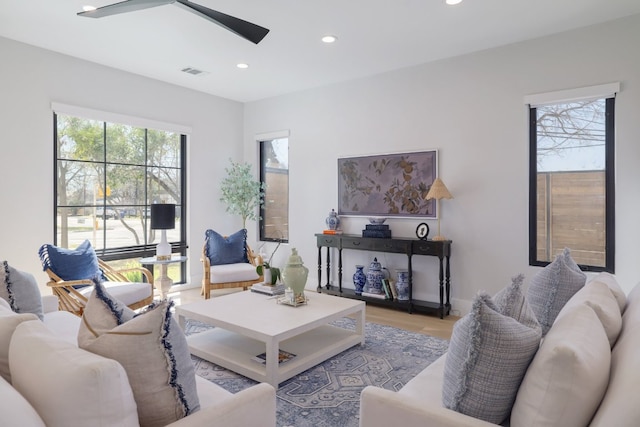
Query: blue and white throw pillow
[
  {"x": 70, "y": 264},
  {"x": 153, "y": 350}
]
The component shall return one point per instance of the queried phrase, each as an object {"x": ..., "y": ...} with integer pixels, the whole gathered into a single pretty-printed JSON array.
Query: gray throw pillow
[
  {"x": 553, "y": 286},
  {"x": 511, "y": 301},
  {"x": 487, "y": 358},
  {"x": 153, "y": 350},
  {"x": 20, "y": 290}
]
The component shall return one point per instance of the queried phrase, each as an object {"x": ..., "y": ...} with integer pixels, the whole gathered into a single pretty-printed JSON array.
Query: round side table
[{"x": 163, "y": 283}]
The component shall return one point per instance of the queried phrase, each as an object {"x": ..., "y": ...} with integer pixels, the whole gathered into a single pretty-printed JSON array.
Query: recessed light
[
  {"x": 329, "y": 39},
  {"x": 452, "y": 2},
  {"x": 88, "y": 8},
  {"x": 242, "y": 65}
]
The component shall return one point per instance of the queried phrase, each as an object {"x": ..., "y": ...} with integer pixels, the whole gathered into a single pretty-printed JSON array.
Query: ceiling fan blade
[
  {"x": 123, "y": 7},
  {"x": 252, "y": 32}
]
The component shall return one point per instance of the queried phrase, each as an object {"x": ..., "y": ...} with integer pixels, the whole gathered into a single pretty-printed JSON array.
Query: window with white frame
[{"x": 571, "y": 177}]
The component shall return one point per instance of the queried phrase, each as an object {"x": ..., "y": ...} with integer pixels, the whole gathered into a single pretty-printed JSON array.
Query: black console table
[{"x": 409, "y": 247}]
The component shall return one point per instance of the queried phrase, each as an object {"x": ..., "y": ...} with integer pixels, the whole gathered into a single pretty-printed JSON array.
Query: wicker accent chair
[
  {"x": 228, "y": 276},
  {"x": 73, "y": 294}
]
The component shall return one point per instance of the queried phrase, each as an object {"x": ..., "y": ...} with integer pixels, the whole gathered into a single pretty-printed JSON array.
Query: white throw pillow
[
  {"x": 153, "y": 350},
  {"x": 66, "y": 385},
  {"x": 619, "y": 407},
  {"x": 568, "y": 377},
  {"x": 16, "y": 411},
  {"x": 8, "y": 323},
  {"x": 481, "y": 342},
  {"x": 610, "y": 280},
  {"x": 597, "y": 295}
]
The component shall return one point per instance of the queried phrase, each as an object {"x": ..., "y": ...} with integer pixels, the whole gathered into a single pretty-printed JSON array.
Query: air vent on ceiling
[{"x": 193, "y": 71}]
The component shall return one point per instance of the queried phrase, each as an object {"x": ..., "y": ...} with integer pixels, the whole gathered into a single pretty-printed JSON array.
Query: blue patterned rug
[{"x": 328, "y": 395}]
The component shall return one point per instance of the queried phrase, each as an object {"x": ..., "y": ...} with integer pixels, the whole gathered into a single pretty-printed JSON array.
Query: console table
[{"x": 407, "y": 246}]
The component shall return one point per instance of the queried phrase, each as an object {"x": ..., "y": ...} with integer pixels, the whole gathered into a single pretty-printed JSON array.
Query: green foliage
[{"x": 241, "y": 193}]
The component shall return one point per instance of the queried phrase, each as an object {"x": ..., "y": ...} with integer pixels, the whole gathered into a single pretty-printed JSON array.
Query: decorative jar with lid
[
  {"x": 333, "y": 220},
  {"x": 375, "y": 274},
  {"x": 294, "y": 274}
]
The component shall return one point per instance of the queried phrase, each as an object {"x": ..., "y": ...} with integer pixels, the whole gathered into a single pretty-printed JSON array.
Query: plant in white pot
[{"x": 271, "y": 274}]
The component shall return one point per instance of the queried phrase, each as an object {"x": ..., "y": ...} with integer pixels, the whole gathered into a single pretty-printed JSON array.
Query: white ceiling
[{"x": 375, "y": 36}]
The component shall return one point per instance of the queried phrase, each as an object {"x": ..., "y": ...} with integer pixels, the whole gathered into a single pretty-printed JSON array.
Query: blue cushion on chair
[
  {"x": 71, "y": 264},
  {"x": 226, "y": 250}
]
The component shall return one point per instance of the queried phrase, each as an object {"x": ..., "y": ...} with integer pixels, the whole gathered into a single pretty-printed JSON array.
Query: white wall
[
  {"x": 471, "y": 109},
  {"x": 32, "y": 78}
]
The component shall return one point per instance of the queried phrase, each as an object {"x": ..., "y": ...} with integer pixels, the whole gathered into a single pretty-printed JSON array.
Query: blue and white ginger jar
[{"x": 333, "y": 220}]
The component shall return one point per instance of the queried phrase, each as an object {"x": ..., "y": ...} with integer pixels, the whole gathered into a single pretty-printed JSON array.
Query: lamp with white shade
[
  {"x": 438, "y": 191},
  {"x": 163, "y": 217}
]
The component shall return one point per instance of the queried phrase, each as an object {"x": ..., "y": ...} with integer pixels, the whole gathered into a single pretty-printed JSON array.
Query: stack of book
[
  {"x": 374, "y": 295},
  {"x": 268, "y": 289},
  {"x": 389, "y": 291},
  {"x": 377, "y": 230},
  {"x": 332, "y": 232}
]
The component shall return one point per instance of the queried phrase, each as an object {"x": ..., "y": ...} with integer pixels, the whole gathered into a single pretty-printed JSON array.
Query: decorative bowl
[{"x": 377, "y": 220}]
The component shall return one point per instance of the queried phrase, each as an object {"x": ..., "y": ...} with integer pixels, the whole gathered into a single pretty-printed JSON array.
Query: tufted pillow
[
  {"x": 66, "y": 385},
  {"x": 553, "y": 286},
  {"x": 487, "y": 358},
  {"x": 20, "y": 290},
  {"x": 153, "y": 350},
  {"x": 569, "y": 375},
  {"x": 226, "y": 250},
  {"x": 70, "y": 264}
]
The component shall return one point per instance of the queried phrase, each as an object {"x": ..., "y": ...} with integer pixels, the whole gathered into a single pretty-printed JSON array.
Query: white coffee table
[{"x": 248, "y": 323}]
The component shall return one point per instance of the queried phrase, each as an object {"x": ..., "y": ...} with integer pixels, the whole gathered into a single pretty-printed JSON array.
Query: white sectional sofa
[
  {"x": 61, "y": 394},
  {"x": 598, "y": 387}
]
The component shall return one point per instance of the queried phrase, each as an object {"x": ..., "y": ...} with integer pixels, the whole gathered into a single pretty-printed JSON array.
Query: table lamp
[
  {"x": 163, "y": 217},
  {"x": 438, "y": 191}
]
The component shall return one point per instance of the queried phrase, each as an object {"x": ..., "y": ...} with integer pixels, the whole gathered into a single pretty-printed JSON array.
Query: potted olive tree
[
  {"x": 241, "y": 192},
  {"x": 243, "y": 195}
]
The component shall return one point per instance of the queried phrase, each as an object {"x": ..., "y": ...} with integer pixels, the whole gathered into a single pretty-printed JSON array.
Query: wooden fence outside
[{"x": 571, "y": 213}]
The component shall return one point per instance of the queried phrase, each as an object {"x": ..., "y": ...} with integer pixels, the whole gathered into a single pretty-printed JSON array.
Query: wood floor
[{"x": 416, "y": 322}]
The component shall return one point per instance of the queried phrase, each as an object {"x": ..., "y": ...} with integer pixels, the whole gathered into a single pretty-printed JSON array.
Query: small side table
[{"x": 164, "y": 282}]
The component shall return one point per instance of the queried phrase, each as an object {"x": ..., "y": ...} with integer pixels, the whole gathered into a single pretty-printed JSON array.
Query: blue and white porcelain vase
[
  {"x": 375, "y": 274},
  {"x": 333, "y": 220},
  {"x": 402, "y": 285},
  {"x": 359, "y": 279}
]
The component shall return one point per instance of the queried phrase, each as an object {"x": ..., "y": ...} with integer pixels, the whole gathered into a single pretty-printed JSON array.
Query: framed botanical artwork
[{"x": 389, "y": 185}]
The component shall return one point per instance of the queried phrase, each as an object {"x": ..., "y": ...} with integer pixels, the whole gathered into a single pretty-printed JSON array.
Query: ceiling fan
[{"x": 252, "y": 32}]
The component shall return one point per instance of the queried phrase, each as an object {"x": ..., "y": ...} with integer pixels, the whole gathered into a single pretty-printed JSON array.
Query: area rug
[{"x": 328, "y": 395}]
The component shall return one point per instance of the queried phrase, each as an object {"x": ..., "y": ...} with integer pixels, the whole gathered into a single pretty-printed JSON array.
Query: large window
[
  {"x": 274, "y": 172},
  {"x": 572, "y": 182},
  {"x": 107, "y": 176}
]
